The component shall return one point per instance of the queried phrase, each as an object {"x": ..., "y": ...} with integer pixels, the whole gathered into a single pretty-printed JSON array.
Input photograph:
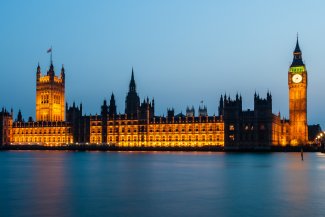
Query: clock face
[{"x": 296, "y": 78}]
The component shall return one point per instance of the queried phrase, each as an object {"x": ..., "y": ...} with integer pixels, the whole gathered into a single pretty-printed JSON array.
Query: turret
[
  {"x": 220, "y": 108},
  {"x": 170, "y": 113},
  {"x": 104, "y": 109},
  {"x": 190, "y": 112},
  {"x": 50, "y": 72},
  {"x": 263, "y": 105},
  {"x": 38, "y": 73},
  {"x": 269, "y": 96},
  {"x": 19, "y": 116},
  {"x": 63, "y": 74},
  {"x": 80, "y": 108},
  {"x": 203, "y": 111},
  {"x": 112, "y": 106}
]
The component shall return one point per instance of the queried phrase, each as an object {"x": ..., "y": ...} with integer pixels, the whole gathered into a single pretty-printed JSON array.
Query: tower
[
  {"x": 232, "y": 113},
  {"x": 50, "y": 95},
  {"x": 297, "y": 81},
  {"x": 132, "y": 101}
]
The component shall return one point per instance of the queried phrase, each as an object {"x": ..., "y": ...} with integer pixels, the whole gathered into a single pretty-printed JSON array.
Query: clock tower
[{"x": 297, "y": 81}]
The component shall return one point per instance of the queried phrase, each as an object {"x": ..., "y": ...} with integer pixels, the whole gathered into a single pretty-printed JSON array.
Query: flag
[{"x": 49, "y": 50}]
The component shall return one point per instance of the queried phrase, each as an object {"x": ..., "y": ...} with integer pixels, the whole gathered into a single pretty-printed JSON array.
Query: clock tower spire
[{"x": 297, "y": 81}]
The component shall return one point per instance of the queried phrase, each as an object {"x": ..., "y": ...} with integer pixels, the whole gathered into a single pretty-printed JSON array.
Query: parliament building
[{"x": 58, "y": 124}]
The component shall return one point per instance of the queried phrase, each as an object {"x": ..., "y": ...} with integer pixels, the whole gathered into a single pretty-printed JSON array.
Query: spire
[
  {"x": 297, "y": 49},
  {"x": 297, "y": 59},
  {"x": 62, "y": 72},
  {"x": 132, "y": 87},
  {"x": 112, "y": 106},
  {"x": 19, "y": 116},
  {"x": 38, "y": 70},
  {"x": 50, "y": 72}
]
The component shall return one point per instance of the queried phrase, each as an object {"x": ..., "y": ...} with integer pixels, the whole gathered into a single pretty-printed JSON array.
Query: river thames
[{"x": 59, "y": 183}]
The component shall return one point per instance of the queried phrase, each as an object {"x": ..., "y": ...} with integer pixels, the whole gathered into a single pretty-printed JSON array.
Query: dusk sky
[{"x": 182, "y": 52}]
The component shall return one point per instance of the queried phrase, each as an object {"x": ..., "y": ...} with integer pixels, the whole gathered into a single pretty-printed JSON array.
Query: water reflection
[{"x": 160, "y": 184}]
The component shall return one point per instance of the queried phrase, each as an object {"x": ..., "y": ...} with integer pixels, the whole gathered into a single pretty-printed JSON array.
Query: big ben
[{"x": 297, "y": 81}]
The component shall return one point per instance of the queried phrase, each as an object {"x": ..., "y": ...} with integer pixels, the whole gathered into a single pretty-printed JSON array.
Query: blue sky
[{"x": 182, "y": 51}]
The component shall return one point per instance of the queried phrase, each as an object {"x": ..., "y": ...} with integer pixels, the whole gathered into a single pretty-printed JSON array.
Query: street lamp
[{"x": 320, "y": 139}]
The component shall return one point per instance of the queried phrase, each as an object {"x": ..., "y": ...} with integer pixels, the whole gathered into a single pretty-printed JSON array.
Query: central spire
[{"x": 132, "y": 87}]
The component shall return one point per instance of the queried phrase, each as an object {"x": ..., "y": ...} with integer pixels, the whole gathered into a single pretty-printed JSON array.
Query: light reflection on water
[{"x": 54, "y": 183}]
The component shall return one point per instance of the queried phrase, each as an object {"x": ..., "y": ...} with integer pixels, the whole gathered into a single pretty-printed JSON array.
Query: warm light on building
[
  {"x": 50, "y": 95},
  {"x": 57, "y": 124}
]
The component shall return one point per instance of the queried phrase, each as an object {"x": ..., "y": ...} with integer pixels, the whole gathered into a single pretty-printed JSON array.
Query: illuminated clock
[{"x": 296, "y": 78}]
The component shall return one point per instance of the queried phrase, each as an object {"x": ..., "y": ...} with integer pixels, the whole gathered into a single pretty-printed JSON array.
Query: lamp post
[{"x": 320, "y": 138}]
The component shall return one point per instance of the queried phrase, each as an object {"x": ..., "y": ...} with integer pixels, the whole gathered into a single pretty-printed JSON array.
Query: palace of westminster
[{"x": 59, "y": 124}]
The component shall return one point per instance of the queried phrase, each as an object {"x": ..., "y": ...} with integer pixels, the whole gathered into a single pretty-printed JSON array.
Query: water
[{"x": 57, "y": 183}]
